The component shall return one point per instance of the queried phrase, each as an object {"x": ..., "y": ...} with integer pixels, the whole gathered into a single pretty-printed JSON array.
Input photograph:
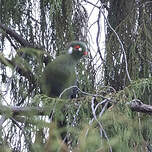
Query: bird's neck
[
  {"x": 72, "y": 59},
  {"x": 75, "y": 57}
]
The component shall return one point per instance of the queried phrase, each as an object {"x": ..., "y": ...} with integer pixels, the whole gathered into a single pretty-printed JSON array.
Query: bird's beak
[{"x": 85, "y": 53}]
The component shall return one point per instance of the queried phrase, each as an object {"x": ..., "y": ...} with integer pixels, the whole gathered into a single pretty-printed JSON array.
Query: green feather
[{"x": 60, "y": 74}]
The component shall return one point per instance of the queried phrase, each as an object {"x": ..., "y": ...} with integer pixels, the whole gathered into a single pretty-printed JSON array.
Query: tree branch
[
  {"x": 15, "y": 35},
  {"x": 24, "y": 111},
  {"x": 137, "y": 105},
  {"x": 19, "y": 68}
]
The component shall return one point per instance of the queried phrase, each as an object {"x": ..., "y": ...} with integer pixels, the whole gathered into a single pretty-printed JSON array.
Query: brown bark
[{"x": 137, "y": 105}]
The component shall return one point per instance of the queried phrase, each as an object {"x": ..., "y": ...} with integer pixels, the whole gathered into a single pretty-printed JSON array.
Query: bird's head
[{"x": 77, "y": 49}]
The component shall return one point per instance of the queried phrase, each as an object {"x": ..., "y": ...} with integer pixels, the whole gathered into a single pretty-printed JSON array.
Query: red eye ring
[{"x": 77, "y": 46}]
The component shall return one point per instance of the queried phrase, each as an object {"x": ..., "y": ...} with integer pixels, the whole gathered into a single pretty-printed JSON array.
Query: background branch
[
  {"x": 15, "y": 35},
  {"x": 19, "y": 68},
  {"x": 138, "y": 106},
  {"x": 24, "y": 111}
]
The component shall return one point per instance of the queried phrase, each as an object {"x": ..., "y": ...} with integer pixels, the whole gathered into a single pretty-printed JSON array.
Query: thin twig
[
  {"x": 99, "y": 123},
  {"x": 76, "y": 114},
  {"x": 25, "y": 135},
  {"x": 2, "y": 120},
  {"x": 98, "y": 34},
  {"x": 121, "y": 44},
  {"x": 100, "y": 103},
  {"x": 104, "y": 108},
  {"x": 86, "y": 93}
]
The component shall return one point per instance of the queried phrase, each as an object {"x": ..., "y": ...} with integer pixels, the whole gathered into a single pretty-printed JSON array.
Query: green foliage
[
  {"x": 85, "y": 76},
  {"x": 34, "y": 56},
  {"x": 35, "y": 53},
  {"x": 124, "y": 129},
  {"x": 11, "y": 9},
  {"x": 55, "y": 6},
  {"x": 51, "y": 25},
  {"x": 139, "y": 89},
  {"x": 5, "y": 61},
  {"x": 136, "y": 42}
]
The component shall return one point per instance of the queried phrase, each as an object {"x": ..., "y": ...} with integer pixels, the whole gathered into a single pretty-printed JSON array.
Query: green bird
[{"x": 60, "y": 73}]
